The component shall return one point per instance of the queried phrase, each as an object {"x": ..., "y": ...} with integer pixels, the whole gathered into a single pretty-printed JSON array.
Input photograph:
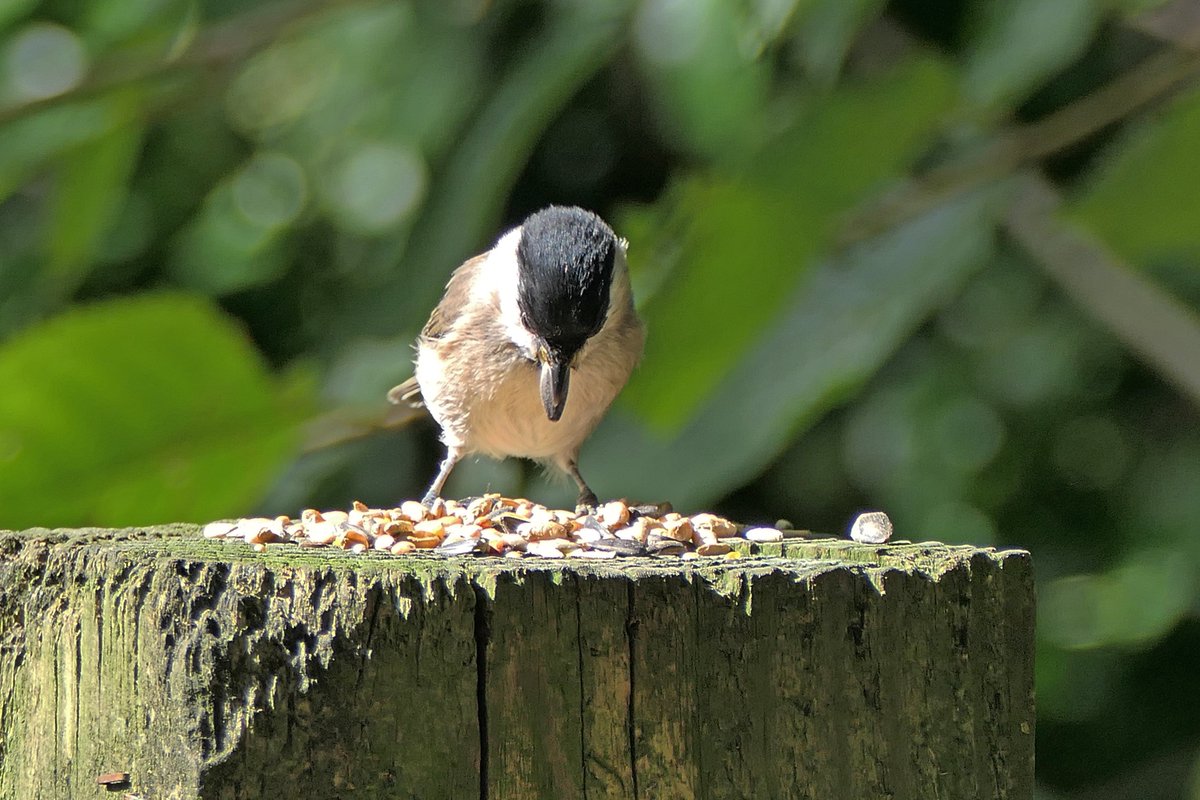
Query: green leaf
[
  {"x": 13, "y": 10},
  {"x": 107, "y": 21},
  {"x": 1141, "y": 6},
  {"x": 838, "y": 329},
  {"x": 137, "y": 411},
  {"x": 28, "y": 142},
  {"x": 222, "y": 250},
  {"x": 827, "y": 32},
  {"x": 1022, "y": 42},
  {"x": 91, "y": 188},
  {"x": 1143, "y": 201},
  {"x": 741, "y": 244},
  {"x": 709, "y": 84}
]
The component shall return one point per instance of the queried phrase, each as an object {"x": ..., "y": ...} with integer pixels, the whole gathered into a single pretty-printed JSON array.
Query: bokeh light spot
[
  {"x": 968, "y": 433},
  {"x": 957, "y": 522},
  {"x": 670, "y": 32},
  {"x": 280, "y": 85},
  {"x": 994, "y": 307},
  {"x": 44, "y": 60},
  {"x": 1033, "y": 368},
  {"x": 377, "y": 186},
  {"x": 270, "y": 190},
  {"x": 880, "y": 441},
  {"x": 1132, "y": 605}
]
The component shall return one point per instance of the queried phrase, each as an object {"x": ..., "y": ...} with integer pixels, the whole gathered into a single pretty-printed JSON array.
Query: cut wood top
[{"x": 802, "y": 556}]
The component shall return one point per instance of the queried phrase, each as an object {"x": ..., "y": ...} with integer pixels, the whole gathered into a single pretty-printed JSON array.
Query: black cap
[{"x": 565, "y": 271}]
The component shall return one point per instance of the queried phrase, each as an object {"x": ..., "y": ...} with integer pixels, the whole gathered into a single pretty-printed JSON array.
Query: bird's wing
[
  {"x": 454, "y": 301},
  {"x": 441, "y": 321}
]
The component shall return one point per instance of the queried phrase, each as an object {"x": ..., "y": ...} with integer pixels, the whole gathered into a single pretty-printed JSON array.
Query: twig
[
  {"x": 1150, "y": 321},
  {"x": 1013, "y": 149}
]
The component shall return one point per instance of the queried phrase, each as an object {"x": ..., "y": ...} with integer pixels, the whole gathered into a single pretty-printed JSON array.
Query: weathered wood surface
[{"x": 825, "y": 670}]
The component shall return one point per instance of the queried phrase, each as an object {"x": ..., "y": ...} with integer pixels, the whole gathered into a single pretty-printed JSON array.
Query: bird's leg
[
  {"x": 587, "y": 498},
  {"x": 453, "y": 454}
]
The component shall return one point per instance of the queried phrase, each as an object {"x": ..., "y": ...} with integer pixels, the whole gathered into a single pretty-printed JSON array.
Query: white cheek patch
[{"x": 499, "y": 289}]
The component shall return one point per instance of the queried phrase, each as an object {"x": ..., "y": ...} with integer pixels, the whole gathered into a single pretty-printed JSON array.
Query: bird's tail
[{"x": 407, "y": 394}]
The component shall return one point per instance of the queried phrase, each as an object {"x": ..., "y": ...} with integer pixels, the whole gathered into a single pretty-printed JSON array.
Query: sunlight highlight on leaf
[
  {"x": 1143, "y": 201},
  {"x": 154, "y": 409},
  {"x": 741, "y": 243}
]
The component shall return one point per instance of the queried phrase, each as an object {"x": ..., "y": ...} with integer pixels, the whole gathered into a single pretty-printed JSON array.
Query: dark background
[{"x": 939, "y": 258}]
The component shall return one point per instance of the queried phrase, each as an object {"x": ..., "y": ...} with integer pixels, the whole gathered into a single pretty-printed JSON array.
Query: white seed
[
  {"x": 321, "y": 532},
  {"x": 632, "y": 533},
  {"x": 544, "y": 549},
  {"x": 251, "y": 529},
  {"x": 219, "y": 530},
  {"x": 873, "y": 527},
  {"x": 588, "y": 535},
  {"x": 336, "y": 517},
  {"x": 642, "y": 526},
  {"x": 594, "y": 554},
  {"x": 513, "y": 541},
  {"x": 463, "y": 530},
  {"x": 413, "y": 511},
  {"x": 763, "y": 535}
]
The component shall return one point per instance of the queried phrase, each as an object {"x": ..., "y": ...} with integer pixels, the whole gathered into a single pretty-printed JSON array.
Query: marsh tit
[{"x": 529, "y": 345}]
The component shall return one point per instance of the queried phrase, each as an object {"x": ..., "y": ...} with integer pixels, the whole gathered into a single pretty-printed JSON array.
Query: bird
[{"x": 529, "y": 346}]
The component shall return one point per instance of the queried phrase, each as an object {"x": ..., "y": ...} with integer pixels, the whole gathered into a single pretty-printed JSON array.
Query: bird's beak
[{"x": 556, "y": 375}]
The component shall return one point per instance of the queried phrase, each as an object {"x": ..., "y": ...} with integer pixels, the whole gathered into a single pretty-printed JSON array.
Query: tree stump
[{"x": 812, "y": 669}]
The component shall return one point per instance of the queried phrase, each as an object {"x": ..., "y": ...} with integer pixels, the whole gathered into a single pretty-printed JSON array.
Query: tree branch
[
  {"x": 1147, "y": 319},
  {"x": 1015, "y": 148}
]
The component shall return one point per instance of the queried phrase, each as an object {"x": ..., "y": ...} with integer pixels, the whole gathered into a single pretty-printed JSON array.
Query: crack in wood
[
  {"x": 631, "y": 719},
  {"x": 482, "y": 635}
]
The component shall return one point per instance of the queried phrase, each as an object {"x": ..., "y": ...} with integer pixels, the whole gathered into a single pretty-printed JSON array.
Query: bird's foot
[
  {"x": 434, "y": 503},
  {"x": 586, "y": 504}
]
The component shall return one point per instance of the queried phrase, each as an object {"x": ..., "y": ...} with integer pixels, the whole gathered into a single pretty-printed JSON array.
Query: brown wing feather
[
  {"x": 456, "y": 297},
  {"x": 441, "y": 321}
]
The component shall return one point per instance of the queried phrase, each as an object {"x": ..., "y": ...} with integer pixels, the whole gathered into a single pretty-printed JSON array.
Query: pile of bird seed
[{"x": 499, "y": 526}]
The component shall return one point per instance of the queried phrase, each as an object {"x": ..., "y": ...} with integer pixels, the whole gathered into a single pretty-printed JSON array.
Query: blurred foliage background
[{"x": 940, "y": 257}]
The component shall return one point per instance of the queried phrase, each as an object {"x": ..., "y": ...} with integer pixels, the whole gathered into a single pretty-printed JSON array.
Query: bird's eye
[{"x": 543, "y": 355}]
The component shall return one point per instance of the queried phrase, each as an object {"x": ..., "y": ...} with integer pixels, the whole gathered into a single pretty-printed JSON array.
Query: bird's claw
[{"x": 586, "y": 504}]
